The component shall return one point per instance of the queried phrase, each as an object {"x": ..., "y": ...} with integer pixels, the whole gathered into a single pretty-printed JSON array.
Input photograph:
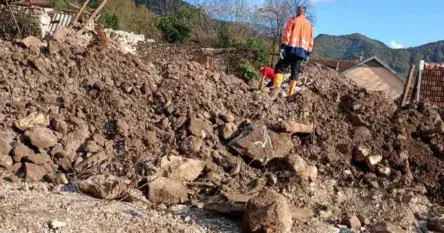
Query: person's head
[{"x": 301, "y": 10}]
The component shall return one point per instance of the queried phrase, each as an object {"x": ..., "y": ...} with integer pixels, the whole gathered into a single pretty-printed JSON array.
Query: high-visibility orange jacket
[{"x": 298, "y": 37}]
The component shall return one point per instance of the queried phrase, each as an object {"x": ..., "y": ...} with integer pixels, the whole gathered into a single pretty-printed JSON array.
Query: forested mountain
[{"x": 353, "y": 46}]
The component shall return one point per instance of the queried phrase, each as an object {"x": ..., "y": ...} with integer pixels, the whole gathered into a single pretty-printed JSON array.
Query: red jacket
[{"x": 268, "y": 72}]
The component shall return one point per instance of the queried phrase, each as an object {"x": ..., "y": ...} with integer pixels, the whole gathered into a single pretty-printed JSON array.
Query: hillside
[{"x": 354, "y": 45}]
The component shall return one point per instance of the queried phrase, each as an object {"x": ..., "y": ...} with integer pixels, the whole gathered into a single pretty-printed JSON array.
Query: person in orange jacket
[{"x": 297, "y": 45}]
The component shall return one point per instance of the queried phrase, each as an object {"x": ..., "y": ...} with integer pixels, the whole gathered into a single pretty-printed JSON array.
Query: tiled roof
[{"x": 339, "y": 65}]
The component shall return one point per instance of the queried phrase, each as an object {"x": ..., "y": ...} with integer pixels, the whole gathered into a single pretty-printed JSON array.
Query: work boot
[
  {"x": 292, "y": 88},
  {"x": 278, "y": 78}
]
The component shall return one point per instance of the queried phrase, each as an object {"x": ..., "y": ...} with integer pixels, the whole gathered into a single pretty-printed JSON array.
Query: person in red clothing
[{"x": 267, "y": 72}]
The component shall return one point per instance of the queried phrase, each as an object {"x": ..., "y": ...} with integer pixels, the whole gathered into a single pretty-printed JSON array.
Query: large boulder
[
  {"x": 167, "y": 191},
  {"x": 199, "y": 127},
  {"x": 268, "y": 212},
  {"x": 34, "y": 172},
  {"x": 104, "y": 187},
  {"x": 43, "y": 138},
  {"x": 21, "y": 151},
  {"x": 261, "y": 144},
  {"x": 385, "y": 227},
  {"x": 181, "y": 168}
]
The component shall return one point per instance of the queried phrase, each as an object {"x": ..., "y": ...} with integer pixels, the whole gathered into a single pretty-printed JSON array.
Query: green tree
[
  {"x": 173, "y": 29},
  {"x": 110, "y": 20}
]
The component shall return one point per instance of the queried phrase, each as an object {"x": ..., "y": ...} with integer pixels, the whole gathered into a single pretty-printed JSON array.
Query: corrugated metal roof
[{"x": 59, "y": 20}]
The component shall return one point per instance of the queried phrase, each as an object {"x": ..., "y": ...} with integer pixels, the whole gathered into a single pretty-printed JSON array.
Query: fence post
[
  {"x": 407, "y": 85},
  {"x": 418, "y": 87}
]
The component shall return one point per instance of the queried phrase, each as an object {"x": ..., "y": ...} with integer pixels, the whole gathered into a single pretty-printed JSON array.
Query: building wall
[
  {"x": 432, "y": 84},
  {"x": 375, "y": 77}
]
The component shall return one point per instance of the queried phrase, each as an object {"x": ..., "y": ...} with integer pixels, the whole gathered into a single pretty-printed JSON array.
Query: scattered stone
[
  {"x": 199, "y": 128},
  {"x": 309, "y": 174},
  {"x": 352, "y": 222},
  {"x": 227, "y": 117},
  {"x": 372, "y": 161},
  {"x": 228, "y": 208},
  {"x": 5, "y": 145},
  {"x": 385, "y": 227},
  {"x": 191, "y": 145},
  {"x": 404, "y": 156},
  {"x": 31, "y": 41},
  {"x": 21, "y": 151},
  {"x": 56, "y": 224},
  {"x": 132, "y": 195},
  {"x": 93, "y": 160},
  {"x": 34, "y": 173},
  {"x": 42, "y": 138},
  {"x": 364, "y": 220},
  {"x": 385, "y": 171},
  {"x": 268, "y": 212},
  {"x": 261, "y": 144},
  {"x": 5, "y": 161},
  {"x": 361, "y": 153},
  {"x": 32, "y": 120},
  {"x": 302, "y": 213},
  {"x": 296, "y": 162},
  {"x": 183, "y": 169},
  {"x": 104, "y": 187},
  {"x": 167, "y": 191},
  {"x": 61, "y": 126},
  {"x": 92, "y": 147},
  {"x": 60, "y": 34},
  {"x": 228, "y": 130},
  {"x": 54, "y": 47},
  {"x": 39, "y": 159}
]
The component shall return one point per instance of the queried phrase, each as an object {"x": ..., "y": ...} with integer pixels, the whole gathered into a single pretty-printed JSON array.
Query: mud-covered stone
[
  {"x": 43, "y": 138},
  {"x": 21, "y": 151},
  {"x": 167, "y": 191},
  {"x": 34, "y": 172},
  {"x": 199, "y": 127},
  {"x": 191, "y": 145},
  {"x": 385, "y": 227},
  {"x": 268, "y": 212},
  {"x": 261, "y": 144}
]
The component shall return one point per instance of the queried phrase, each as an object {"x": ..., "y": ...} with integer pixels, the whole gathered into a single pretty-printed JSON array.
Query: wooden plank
[{"x": 407, "y": 85}]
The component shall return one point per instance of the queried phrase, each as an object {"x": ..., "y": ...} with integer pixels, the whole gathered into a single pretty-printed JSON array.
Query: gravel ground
[{"x": 32, "y": 208}]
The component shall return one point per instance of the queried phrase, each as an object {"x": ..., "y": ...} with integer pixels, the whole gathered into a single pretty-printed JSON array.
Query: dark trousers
[{"x": 288, "y": 60}]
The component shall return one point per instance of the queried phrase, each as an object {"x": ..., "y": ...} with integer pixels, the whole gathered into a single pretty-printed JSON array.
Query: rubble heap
[{"x": 168, "y": 128}]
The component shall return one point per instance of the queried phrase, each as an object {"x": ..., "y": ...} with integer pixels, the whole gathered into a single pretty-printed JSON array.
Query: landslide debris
[{"x": 185, "y": 132}]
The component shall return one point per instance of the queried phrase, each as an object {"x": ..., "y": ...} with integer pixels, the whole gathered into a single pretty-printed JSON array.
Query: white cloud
[
  {"x": 322, "y": 1},
  {"x": 395, "y": 45}
]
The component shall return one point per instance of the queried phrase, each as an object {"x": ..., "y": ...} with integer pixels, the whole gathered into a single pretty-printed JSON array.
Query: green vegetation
[
  {"x": 110, "y": 20},
  {"x": 246, "y": 71},
  {"x": 29, "y": 26},
  {"x": 353, "y": 46}
]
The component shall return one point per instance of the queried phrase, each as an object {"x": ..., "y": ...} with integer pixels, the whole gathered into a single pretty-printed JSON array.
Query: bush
[
  {"x": 260, "y": 48},
  {"x": 110, "y": 20},
  {"x": 173, "y": 29},
  {"x": 246, "y": 71},
  {"x": 29, "y": 26}
]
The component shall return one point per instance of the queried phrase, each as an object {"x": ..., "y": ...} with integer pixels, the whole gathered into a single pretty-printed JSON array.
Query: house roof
[
  {"x": 340, "y": 65},
  {"x": 379, "y": 61}
]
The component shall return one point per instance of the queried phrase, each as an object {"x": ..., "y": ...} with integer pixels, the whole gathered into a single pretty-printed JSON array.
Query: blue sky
[{"x": 398, "y": 23}]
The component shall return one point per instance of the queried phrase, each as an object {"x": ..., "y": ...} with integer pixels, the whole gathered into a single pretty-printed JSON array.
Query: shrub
[
  {"x": 173, "y": 29},
  {"x": 29, "y": 26},
  {"x": 110, "y": 20},
  {"x": 246, "y": 71}
]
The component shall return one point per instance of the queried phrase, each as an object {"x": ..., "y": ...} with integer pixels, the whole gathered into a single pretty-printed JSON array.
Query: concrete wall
[{"x": 375, "y": 77}]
